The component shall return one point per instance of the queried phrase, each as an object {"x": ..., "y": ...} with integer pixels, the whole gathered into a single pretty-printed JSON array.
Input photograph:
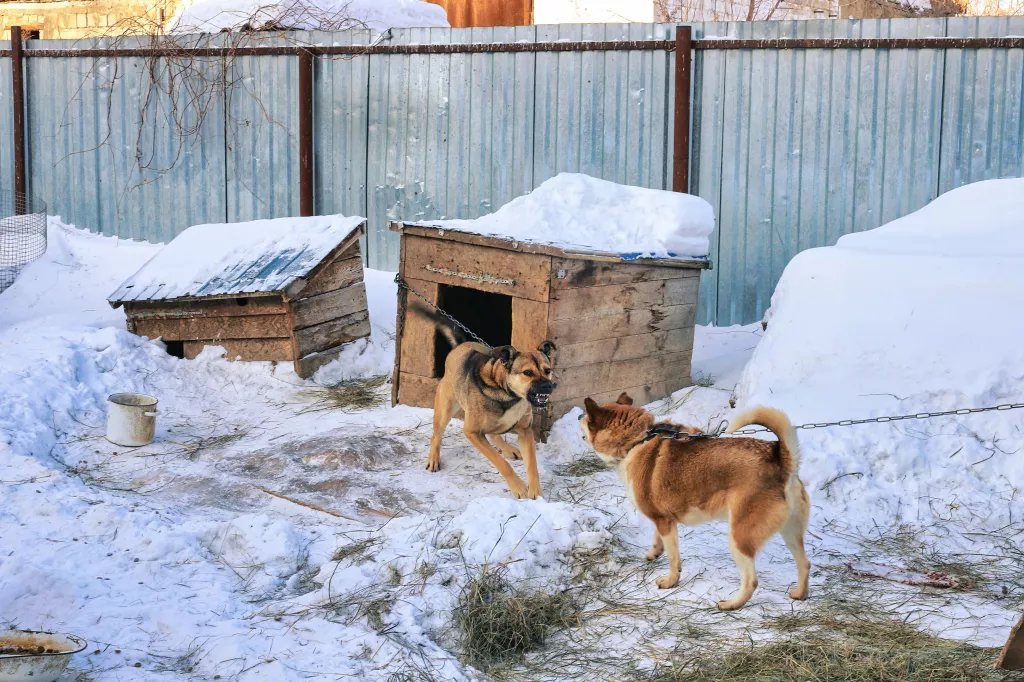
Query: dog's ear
[
  {"x": 593, "y": 410},
  {"x": 624, "y": 399},
  {"x": 549, "y": 349},
  {"x": 506, "y": 355}
]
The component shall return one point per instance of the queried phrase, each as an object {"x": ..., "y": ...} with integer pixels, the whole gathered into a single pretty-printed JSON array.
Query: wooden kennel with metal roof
[
  {"x": 620, "y": 324},
  {"x": 289, "y": 289}
]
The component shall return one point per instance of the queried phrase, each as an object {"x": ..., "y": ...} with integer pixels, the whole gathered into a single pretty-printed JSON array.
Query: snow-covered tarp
[
  {"x": 578, "y": 212},
  {"x": 921, "y": 314},
  {"x": 260, "y": 256},
  {"x": 211, "y": 16}
]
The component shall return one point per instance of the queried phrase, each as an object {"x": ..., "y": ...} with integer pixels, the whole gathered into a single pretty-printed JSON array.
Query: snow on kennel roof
[
  {"x": 227, "y": 259},
  {"x": 574, "y": 212}
]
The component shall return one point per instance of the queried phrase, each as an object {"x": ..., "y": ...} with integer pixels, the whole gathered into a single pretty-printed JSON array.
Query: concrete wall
[{"x": 73, "y": 19}]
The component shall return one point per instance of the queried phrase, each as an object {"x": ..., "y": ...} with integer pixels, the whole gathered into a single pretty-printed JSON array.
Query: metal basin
[{"x": 27, "y": 656}]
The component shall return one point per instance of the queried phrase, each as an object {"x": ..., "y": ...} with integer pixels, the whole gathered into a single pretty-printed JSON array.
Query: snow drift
[
  {"x": 921, "y": 314},
  {"x": 572, "y": 210}
]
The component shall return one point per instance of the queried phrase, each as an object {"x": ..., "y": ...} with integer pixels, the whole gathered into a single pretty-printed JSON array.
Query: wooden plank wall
[
  {"x": 252, "y": 327},
  {"x": 620, "y": 327},
  {"x": 331, "y": 311},
  {"x": 425, "y": 264},
  {"x": 328, "y": 312}
]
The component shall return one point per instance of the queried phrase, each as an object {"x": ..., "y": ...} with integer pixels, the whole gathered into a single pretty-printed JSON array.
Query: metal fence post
[
  {"x": 681, "y": 131},
  {"x": 306, "y": 207},
  {"x": 18, "y": 101}
]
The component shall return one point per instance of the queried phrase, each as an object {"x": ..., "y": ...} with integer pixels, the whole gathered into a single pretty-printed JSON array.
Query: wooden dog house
[
  {"x": 289, "y": 289},
  {"x": 620, "y": 325}
]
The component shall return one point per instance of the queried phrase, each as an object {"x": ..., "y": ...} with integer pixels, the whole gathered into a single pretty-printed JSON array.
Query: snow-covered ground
[{"x": 192, "y": 557}]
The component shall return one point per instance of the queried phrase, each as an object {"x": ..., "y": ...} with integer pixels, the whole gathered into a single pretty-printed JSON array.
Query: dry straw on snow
[
  {"x": 353, "y": 394},
  {"x": 497, "y": 623}
]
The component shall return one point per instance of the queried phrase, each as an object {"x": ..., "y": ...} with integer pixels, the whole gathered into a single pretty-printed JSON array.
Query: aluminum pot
[
  {"x": 36, "y": 656},
  {"x": 131, "y": 419}
]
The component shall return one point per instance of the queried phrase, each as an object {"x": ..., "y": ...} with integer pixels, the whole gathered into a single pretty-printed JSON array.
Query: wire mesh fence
[{"x": 22, "y": 233}]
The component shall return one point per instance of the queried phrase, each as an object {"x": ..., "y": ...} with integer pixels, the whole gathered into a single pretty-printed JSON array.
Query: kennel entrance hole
[
  {"x": 175, "y": 349},
  {"x": 488, "y": 315}
]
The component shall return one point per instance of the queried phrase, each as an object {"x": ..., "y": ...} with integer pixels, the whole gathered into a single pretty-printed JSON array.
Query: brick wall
[{"x": 72, "y": 19}]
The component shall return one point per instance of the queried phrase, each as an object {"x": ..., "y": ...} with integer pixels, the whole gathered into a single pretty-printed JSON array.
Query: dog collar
[
  {"x": 672, "y": 431},
  {"x": 503, "y": 404}
]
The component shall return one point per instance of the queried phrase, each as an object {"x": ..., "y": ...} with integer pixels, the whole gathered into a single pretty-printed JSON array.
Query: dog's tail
[
  {"x": 778, "y": 423},
  {"x": 449, "y": 331}
]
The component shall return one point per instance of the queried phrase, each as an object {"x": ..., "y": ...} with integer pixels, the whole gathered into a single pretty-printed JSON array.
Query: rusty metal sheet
[{"x": 472, "y": 13}]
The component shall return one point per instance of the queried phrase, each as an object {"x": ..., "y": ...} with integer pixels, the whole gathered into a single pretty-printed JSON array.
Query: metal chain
[
  {"x": 402, "y": 284},
  {"x": 720, "y": 431}
]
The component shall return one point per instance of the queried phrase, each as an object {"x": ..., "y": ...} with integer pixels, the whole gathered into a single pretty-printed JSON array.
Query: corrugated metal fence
[{"x": 793, "y": 147}]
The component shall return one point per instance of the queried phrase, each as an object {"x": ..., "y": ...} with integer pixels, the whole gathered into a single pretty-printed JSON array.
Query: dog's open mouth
[{"x": 538, "y": 399}]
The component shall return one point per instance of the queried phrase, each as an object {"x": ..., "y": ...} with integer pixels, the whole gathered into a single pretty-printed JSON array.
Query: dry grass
[
  {"x": 346, "y": 396},
  {"x": 192, "y": 448},
  {"x": 854, "y": 629},
  {"x": 584, "y": 466},
  {"x": 497, "y": 623},
  {"x": 357, "y": 551},
  {"x": 703, "y": 380},
  {"x": 997, "y": 572},
  {"x": 863, "y": 630},
  {"x": 183, "y": 663},
  {"x": 823, "y": 646}
]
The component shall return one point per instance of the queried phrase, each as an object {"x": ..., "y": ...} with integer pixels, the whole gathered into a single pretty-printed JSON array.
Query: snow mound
[
  {"x": 917, "y": 315},
  {"x": 262, "y": 549},
  {"x": 982, "y": 219},
  {"x": 63, "y": 282},
  {"x": 577, "y": 211},
  {"x": 211, "y": 16},
  {"x": 533, "y": 533}
]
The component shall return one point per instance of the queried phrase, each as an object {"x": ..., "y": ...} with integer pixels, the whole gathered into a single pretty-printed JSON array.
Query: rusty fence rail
[
  {"x": 699, "y": 140},
  {"x": 925, "y": 43}
]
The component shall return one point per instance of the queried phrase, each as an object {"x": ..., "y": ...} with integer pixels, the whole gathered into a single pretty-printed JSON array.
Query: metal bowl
[{"x": 26, "y": 664}]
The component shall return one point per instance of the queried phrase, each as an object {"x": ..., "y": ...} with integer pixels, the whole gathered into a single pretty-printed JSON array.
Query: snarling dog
[
  {"x": 494, "y": 391},
  {"x": 749, "y": 482}
]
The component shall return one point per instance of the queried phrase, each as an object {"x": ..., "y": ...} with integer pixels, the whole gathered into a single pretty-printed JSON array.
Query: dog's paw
[
  {"x": 729, "y": 604},
  {"x": 533, "y": 493},
  {"x": 518, "y": 490},
  {"x": 511, "y": 453},
  {"x": 434, "y": 464},
  {"x": 799, "y": 593},
  {"x": 654, "y": 554},
  {"x": 667, "y": 581}
]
